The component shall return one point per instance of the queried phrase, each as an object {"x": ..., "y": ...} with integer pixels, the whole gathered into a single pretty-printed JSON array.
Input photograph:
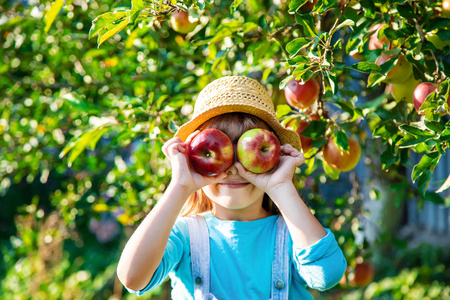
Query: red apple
[
  {"x": 307, "y": 7},
  {"x": 421, "y": 93},
  {"x": 363, "y": 274},
  {"x": 339, "y": 159},
  {"x": 302, "y": 95},
  {"x": 258, "y": 150},
  {"x": 179, "y": 20},
  {"x": 374, "y": 42},
  {"x": 210, "y": 152},
  {"x": 306, "y": 141},
  {"x": 398, "y": 74}
]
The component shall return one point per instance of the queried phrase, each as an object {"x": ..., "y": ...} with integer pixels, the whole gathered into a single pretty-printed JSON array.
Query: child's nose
[{"x": 232, "y": 170}]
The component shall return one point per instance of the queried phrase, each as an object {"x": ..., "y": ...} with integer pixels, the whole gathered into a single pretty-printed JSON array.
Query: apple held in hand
[
  {"x": 210, "y": 152},
  {"x": 339, "y": 159},
  {"x": 300, "y": 94},
  {"x": 258, "y": 150}
]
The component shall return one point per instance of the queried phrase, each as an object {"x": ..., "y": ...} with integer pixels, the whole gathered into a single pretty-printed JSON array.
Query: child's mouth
[{"x": 234, "y": 185}]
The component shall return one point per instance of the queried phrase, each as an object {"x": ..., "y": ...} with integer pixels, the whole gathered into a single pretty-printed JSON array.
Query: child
[{"x": 241, "y": 235}]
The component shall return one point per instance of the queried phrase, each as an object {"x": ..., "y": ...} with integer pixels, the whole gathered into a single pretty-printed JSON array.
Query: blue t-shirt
[{"x": 241, "y": 255}]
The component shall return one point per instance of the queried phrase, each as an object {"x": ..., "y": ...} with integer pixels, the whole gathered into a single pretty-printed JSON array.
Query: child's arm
[
  {"x": 303, "y": 227},
  {"x": 144, "y": 251}
]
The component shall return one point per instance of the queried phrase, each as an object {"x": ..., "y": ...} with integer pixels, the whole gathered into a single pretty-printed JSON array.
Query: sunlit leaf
[{"x": 50, "y": 16}]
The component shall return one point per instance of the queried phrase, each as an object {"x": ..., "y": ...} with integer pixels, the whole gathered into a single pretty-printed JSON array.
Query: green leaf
[
  {"x": 315, "y": 129},
  {"x": 347, "y": 22},
  {"x": 410, "y": 141},
  {"x": 445, "y": 185},
  {"x": 428, "y": 162},
  {"x": 77, "y": 102},
  {"x": 393, "y": 34},
  {"x": 50, "y": 16},
  {"x": 444, "y": 35},
  {"x": 105, "y": 19},
  {"x": 111, "y": 29},
  {"x": 282, "y": 110},
  {"x": 285, "y": 81},
  {"x": 434, "y": 126},
  {"x": 136, "y": 7},
  {"x": 293, "y": 47},
  {"x": 235, "y": 5},
  {"x": 332, "y": 80},
  {"x": 414, "y": 130},
  {"x": 406, "y": 12},
  {"x": 300, "y": 70},
  {"x": 333, "y": 173},
  {"x": 307, "y": 22},
  {"x": 342, "y": 140},
  {"x": 424, "y": 180},
  {"x": 388, "y": 157},
  {"x": 294, "y": 5},
  {"x": 434, "y": 198},
  {"x": 346, "y": 106},
  {"x": 365, "y": 67}
]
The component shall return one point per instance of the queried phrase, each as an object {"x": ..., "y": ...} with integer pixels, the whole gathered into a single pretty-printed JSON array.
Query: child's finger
[
  {"x": 191, "y": 136},
  {"x": 169, "y": 143}
]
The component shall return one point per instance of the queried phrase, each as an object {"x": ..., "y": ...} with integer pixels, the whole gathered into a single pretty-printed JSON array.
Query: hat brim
[{"x": 285, "y": 135}]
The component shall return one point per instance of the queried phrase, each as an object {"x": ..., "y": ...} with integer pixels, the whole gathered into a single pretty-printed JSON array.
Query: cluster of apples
[
  {"x": 211, "y": 151},
  {"x": 301, "y": 95},
  {"x": 400, "y": 79}
]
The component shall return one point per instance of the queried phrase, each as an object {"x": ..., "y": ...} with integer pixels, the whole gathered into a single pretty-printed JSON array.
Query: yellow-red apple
[
  {"x": 405, "y": 90},
  {"x": 400, "y": 73},
  {"x": 339, "y": 159},
  {"x": 374, "y": 42},
  {"x": 258, "y": 150},
  {"x": 179, "y": 20},
  {"x": 301, "y": 94}
]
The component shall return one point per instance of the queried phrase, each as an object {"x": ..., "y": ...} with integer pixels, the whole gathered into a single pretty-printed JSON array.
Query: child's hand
[
  {"x": 182, "y": 175},
  {"x": 282, "y": 174}
]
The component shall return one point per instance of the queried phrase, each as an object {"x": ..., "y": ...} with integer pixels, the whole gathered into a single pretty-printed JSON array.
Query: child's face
[{"x": 234, "y": 195}]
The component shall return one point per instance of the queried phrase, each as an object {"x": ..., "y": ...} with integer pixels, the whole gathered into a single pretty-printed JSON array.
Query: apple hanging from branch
[
  {"x": 421, "y": 93},
  {"x": 339, "y": 159},
  {"x": 179, "y": 20},
  {"x": 301, "y": 94}
]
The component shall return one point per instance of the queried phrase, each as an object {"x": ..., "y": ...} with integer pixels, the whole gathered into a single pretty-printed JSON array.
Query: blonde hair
[{"x": 233, "y": 125}]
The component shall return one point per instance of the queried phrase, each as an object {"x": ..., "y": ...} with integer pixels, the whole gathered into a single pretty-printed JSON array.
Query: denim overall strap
[
  {"x": 280, "y": 264},
  {"x": 199, "y": 243}
]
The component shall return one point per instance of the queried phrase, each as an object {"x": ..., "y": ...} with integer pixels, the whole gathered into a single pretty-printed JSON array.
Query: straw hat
[{"x": 237, "y": 94}]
